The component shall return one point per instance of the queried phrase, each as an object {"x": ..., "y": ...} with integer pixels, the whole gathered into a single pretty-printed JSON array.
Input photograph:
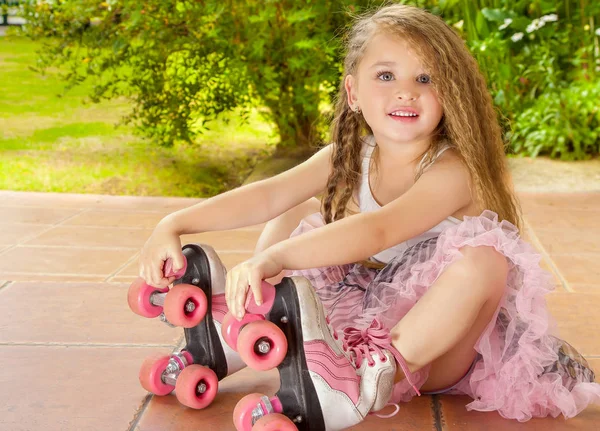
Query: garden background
[
  {"x": 185, "y": 98},
  {"x": 221, "y": 93}
]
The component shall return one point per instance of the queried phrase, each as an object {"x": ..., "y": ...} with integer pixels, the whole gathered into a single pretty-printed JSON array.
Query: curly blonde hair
[{"x": 469, "y": 123}]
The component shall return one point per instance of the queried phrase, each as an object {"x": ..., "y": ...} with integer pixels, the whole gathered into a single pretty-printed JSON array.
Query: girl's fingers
[
  {"x": 227, "y": 289},
  {"x": 156, "y": 275},
  {"x": 240, "y": 300},
  {"x": 255, "y": 285},
  {"x": 233, "y": 294}
]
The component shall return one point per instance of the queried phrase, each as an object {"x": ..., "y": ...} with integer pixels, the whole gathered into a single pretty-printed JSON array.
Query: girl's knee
[
  {"x": 289, "y": 220},
  {"x": 281, "y": 227},
  {"x": 487, "y": 267},
  {"x": 307, "y": 208}
]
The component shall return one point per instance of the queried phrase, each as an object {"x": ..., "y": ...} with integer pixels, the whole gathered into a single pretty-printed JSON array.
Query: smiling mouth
[{"x": 403, "y": 115}]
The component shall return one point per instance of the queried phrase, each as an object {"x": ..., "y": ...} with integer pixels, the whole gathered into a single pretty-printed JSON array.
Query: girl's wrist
[
  {"x": 169, "y": 224},
  {"x": 275, "y": 254}
]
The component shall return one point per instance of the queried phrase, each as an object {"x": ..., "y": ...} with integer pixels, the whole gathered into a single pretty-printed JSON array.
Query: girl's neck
[{"x": 399, "y": 155}]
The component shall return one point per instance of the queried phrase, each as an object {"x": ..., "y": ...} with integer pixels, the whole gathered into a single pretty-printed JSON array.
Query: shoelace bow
[{"x": 361, "y": 342}]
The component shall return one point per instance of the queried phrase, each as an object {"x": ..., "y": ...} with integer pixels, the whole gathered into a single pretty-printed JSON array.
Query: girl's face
[{"x": 394, "y": 92}]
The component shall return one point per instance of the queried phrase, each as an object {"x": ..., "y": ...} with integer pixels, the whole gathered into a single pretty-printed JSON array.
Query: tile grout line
[
  {"x": 28, "y": 238},
  {"x": 51, "y": 226},
  {"x": 436, "y": 410},
  {"x": 588, "y": 253},
  {"x": 78, "y": 278},
  {"x": 97, "y": 226},
  {"x": 240, "y": 250},
  {"x": 55, "y": 274},
  {"x": 138, "y": 415},
  {"x": 108, "y": 210},
  {"x": 77, "y": 226},
  {"x": 123, "y": 266},
  {"x": 538, "y": 243},
  {"x": 87, "y": 247},
  {"x": 59, "y": 344},
  {"x": 81, "y": 211}
]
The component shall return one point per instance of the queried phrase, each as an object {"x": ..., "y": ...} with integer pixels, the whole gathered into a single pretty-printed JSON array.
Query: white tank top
[{"x": 367, "y": 203}]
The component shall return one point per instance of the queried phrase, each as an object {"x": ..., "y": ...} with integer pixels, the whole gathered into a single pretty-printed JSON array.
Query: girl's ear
[{"x": 351, "y": 90}]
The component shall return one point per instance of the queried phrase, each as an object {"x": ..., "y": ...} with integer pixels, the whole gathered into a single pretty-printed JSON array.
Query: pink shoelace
[{"x": 375, "y": 338}]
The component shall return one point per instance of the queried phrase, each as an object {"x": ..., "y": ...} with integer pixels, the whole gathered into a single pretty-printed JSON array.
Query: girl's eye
[
  {"x": 385, "y": 76},
  {"x": 424, "y": 78}
]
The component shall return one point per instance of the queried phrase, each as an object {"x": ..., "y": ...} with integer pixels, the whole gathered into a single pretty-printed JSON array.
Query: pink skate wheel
[
  {"x": 274, "y": 422},
  {"x": 177, "y": 301},
  {"x": 138, "y": 298},
  {"x": 151, "y": 372},
  {"x": 196, "y": 386},
  {"x": 242, "y": 413},
  {"x": 168, "y": 269},
  {"x": 262, "y": 345},
  {"x": 268, "y": 294},
  {"x": 231, "y": 327}
]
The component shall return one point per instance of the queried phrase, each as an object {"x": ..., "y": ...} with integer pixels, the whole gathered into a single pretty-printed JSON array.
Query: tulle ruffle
[
  {"x": 517, "y": 373},
  {"x": 520, "y": 345}
]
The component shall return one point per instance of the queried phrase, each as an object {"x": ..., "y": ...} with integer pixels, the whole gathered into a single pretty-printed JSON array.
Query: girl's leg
[
  {"x": 281, "y": 227},
  {"x": 444, "y": 325}
]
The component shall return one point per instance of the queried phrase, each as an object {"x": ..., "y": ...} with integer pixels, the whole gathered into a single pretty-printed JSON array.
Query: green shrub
[
  {"x": 564, "y": 123},
  {"x": 183, "y": 62}
]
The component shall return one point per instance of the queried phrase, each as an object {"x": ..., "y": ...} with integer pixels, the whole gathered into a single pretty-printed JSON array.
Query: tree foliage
[{"x": 183, "y": 62}]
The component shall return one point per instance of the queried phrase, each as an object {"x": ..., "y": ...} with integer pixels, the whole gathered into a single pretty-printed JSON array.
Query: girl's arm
[
  {"x": 248, "y": 205},
  {"x": 257, "y": 202},
  {"x": 441, "y": 191}
]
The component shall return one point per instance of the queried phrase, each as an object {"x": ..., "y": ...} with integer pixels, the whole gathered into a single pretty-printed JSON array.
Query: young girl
[{"x": 417, "y": 233}]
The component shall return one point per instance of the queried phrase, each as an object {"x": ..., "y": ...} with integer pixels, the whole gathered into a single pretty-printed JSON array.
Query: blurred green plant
[
  {"x": 564, "y": 123},
  {"x": 183, "y": 62},
  {"x": 536, "y": 55}
]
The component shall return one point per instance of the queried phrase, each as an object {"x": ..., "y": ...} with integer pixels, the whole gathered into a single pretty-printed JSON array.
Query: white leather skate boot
[{"x": 324, "y": 385}]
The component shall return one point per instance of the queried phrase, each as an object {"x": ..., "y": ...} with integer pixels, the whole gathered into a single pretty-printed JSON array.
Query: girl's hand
[
  {"x": 249, "y": 275},
  {"x": 163, "y": 244}
]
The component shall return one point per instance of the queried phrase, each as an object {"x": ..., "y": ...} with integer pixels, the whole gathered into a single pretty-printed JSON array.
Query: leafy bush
[
  {"x": 534, "y": 55},
  {"x": 537, "y": 56},
  {"x": 564, "y": 123},
  {"x": 183, "y": 62}
]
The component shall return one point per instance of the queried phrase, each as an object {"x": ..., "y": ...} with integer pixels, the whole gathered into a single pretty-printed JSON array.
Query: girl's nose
[
  {"x": 406, "y": 95},
  {"x": 406, "y": 92}
]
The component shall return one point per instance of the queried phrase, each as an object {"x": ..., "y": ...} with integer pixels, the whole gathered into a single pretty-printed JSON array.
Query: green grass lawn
[{"x": 67, "y": 144}]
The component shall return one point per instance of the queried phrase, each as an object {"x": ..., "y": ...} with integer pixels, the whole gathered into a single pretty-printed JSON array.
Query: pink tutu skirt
[{"x": 523, "y": 369}]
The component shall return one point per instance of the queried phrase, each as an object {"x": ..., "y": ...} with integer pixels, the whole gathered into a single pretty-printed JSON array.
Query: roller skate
[
  {"x": 326, "y": 383},
  {"x": 261, "y": 344},
  {"x": 194, "y": 372}
]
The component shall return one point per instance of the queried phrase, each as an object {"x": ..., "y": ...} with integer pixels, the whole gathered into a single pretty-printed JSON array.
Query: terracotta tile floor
[{"x": 70, "y": 348}]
